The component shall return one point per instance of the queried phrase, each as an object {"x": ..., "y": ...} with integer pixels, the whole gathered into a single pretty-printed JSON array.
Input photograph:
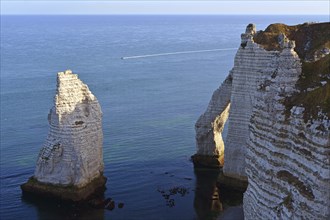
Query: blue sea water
[{"x": 149, "y": 104}]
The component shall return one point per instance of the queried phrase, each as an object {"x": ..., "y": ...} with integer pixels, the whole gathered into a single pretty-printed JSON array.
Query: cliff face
[
  {"x": 234, "y": 98},
  {"x": 72, "y": 153},
  {"x": 210, "y": 146},
  {"x": 279, "y": 122},
  {"x": 287, "y": 161}
]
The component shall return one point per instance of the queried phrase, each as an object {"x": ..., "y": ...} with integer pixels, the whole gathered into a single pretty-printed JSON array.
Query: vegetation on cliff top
[
  {"x": 309, "y": 37},
  {"x": 313, "y": 96},
  {"x": 311, "y": 40}
]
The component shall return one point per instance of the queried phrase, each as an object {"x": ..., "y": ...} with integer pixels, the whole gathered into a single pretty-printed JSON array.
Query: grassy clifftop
[
  {"x": 309, "y": 37},
  {"x": 312, "y": 42},
  {"x": 313, "y": 95}
]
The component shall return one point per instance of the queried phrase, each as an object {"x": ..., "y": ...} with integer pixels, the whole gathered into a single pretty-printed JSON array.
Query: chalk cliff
[
  {"x": 72, "y": 154},
  {"x": 287, "y": 159},
  {"x": 277, "y": 97},
  {"x": 234, "y": 98}
]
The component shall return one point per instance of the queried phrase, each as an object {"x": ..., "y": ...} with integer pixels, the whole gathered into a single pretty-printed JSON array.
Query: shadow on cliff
[{"x": 214, "y": 202}]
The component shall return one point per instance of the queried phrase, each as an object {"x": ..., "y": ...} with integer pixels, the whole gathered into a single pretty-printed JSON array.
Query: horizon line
[{"x": 183, "y": 14}]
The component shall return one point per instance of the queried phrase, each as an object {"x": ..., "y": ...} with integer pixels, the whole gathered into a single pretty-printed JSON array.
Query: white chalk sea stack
[{"x": 72, "y": 155}]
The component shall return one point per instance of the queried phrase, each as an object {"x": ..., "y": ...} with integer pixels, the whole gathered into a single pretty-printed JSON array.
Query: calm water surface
[{"x": 149, "y": 105}]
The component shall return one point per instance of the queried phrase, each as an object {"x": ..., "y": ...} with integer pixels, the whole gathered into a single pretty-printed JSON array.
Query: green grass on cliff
[
  {"x": 268, "y": 39},
  {"x": 317, "y": 99},
  {"x": 310, "y": 39}
]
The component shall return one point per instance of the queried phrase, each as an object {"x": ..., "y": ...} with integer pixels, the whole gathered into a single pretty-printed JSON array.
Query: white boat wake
[{"x": 174, "y": 53}]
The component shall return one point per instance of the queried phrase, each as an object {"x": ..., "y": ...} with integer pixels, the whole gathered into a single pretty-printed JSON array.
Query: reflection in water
[
  {"x": 209, "y": 200},
  {"x": 207, "y": 203},
  {"x": 55, "y": 209}
]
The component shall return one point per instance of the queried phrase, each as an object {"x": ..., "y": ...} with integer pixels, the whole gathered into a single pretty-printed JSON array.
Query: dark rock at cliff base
[
  {"x": 208, "y": 161},
  {"x": 67, "y": 193},
  {"x": 110, "y": 205},
  {"x": 97, "y": 203},
  {"x": 106, "y": 201},
  {"x": 231, "y": 183}
]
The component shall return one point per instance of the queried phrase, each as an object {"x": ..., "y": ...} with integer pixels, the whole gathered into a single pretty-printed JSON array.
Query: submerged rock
[
  {"x": 70, "y": 164},
  {"x": 97, "y": 203},
  {"x": 110, "y": 205}
]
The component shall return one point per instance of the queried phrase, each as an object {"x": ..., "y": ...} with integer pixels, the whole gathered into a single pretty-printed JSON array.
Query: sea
[{"x": 150, "y": 105}]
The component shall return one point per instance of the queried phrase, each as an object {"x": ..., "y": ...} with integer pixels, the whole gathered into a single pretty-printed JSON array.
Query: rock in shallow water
[
  {"x": 110, "y": 205},
  {"x": 120, "y": 205}
]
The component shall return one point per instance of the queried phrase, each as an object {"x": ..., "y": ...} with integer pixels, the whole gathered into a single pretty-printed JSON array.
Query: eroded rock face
[
  {"x": 210, "y": 146},
  {"x": 233, "y": 98},
  {"x": 250, "y": 63},
  {"x": 287, "y": 161},
  {"x": 72, "y": 153},
  {"x": 279, "y": 122}
]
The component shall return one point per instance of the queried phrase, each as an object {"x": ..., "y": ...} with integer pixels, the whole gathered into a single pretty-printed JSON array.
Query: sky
[{"x": 91, "y": 7}]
